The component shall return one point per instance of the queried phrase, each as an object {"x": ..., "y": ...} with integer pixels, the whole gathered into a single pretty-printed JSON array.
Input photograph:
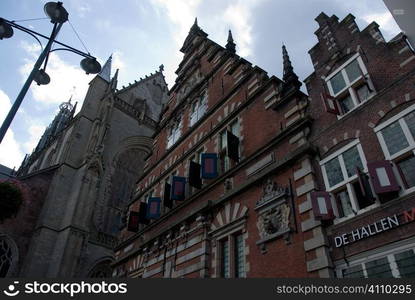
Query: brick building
[
  {"x": 324, "y": 189},
  {"x": 230, "y": 164},
  {"x": 362, "y": 103}
]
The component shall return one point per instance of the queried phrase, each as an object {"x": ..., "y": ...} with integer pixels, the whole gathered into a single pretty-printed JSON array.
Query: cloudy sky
[{"x": 142, "y": 34}]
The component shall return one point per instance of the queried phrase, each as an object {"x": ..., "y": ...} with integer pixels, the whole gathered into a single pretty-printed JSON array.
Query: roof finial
[
  {"x": 161, "y": 68},
  {"x": 230, "y": 45},
  {"x": 289, "y": 75},
  {"x": 195, "y": 26}
]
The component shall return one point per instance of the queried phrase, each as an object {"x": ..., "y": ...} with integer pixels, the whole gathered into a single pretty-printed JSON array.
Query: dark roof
[{"x": 5, "y": 172}]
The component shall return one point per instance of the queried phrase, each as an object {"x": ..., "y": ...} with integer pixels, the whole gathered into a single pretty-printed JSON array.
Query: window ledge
[
  {"x": 360, "y": 212},
  {"x": 373, "y": 209},
  {"x": 357, "y": 106}
]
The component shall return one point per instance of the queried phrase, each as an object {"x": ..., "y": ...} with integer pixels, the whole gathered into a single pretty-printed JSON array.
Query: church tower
[{"x": 88, "y": 164}]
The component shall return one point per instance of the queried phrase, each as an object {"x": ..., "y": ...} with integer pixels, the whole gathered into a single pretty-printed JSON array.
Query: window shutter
[
  {"x": 322, "y": 207},
  {"x": 167, "y": 201},
  {"x": 194, "y": 175},
  {"x": 178, "y": 188},
  {"x": 209, "y": 165},
  {"x": 330, "y": 104},
  {"x": 383, "y": 178},
  {"x": 154, "y": 208},
  {"x": 232, "y": 146},
  {"x": 364, "y": 184},
  {"x": 133, "y": 221},
  {"x": 142, "y": 213}
]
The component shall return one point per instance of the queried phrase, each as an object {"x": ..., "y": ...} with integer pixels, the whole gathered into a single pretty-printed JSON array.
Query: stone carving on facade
[
  {"x": 274, "y": 213},
  {"x": 271, "y": 190},
  {"x": 274, "y": 220},
  {"x": 196, "y": 78}
]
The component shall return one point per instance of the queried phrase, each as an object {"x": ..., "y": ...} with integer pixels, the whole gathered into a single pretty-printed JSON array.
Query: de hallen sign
[{"x": 377, "y": 227}]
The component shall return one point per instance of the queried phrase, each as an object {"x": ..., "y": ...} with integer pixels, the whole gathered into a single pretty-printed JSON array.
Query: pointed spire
[
  {"x": 194, "y": 26},
  {"x": 114, "y": 80},
  {"x": 289, "y": 75},
  {"x": 106, "y": 70},
  {"x": 230, "y": 45}
]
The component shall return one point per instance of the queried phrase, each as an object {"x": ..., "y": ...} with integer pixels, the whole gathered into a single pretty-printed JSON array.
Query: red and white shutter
[
  {"x": 382, "y": 176},
  {"x": 133, "y": 221},
  {"x": 330, "y": 104},
  {"x": 321, "y": 203}
]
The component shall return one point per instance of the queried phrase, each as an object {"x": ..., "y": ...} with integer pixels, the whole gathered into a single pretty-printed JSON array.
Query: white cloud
[
  {"x": 83, "y": 8},
  {"x": 65, "y": 79},
  {"x": 117, "y": 60},
  {"x": 35, "y": 132},
  {"x": 10, "y": 152},
  {"x": 238, "y": 16},
  {"x": 385, "y": 20},
  {"x": 182, "y": 13}
]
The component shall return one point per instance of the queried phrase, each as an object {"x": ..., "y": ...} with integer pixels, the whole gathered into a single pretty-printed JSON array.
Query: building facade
[
  {"x": 250, "y": 177},
  {"x": 362, "y": 102},
  {"x": 80, "y": 176},
  {"x": 230, "y": 165}
]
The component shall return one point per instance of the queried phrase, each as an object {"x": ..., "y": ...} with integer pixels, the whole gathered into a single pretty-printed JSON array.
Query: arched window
[{"x": 8, "y": 256}]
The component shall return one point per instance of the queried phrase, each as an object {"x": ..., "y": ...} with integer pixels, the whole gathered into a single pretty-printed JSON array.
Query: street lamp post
[{"x": 58, "y": 16}]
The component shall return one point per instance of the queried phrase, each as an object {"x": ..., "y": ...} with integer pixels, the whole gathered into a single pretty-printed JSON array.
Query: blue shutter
[
  {"x": 209, "y": 165},
  {"x": 178, "y": 188},
  {"x": 154, "y": 208}
]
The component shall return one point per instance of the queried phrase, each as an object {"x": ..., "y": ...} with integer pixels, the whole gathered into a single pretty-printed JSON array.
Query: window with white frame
[
  {"x": 397, "y": 139},
  {"x": 342, "y": 181},
  {"x": 350, "y": 85},
  {"x": 174, "y": 133},
  {"x": 397, "y": 263},
  {"x": 198, "y": 108}
]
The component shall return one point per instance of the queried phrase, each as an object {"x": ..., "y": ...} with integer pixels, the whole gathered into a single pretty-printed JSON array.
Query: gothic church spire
[
  {"x": 106, "y": 70},
  {"x": 230, "y": 45},
  {"x": 289, "y": 75}
]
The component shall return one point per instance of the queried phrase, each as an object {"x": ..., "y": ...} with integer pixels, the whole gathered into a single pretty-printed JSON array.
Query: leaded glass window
[
  {"x": 337, "y": 83},
  {"x": 6, "y": 257},
  {"x": 346, "y": 104},
  {"x": 352, "y": 160},
  {"x": 407, "y": 168},
  {"x": 354, "y": 272},
  {"x": 225, "y": 267},
  {"x": 406, "y": 263},
  {"x": 344, "y": 203},
  {"x": 353, "y": 70},
  {"x": 379, "y": 268},
  {"x": 410, "y": 121},
  {"x": 394, "y": 138},
  {"x": 334, "y": 172},
  {"x": 239, "y": 256}
]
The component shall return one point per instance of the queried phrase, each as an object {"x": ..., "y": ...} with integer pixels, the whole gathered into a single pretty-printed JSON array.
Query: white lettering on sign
[{"x": 366, "y": 231}]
